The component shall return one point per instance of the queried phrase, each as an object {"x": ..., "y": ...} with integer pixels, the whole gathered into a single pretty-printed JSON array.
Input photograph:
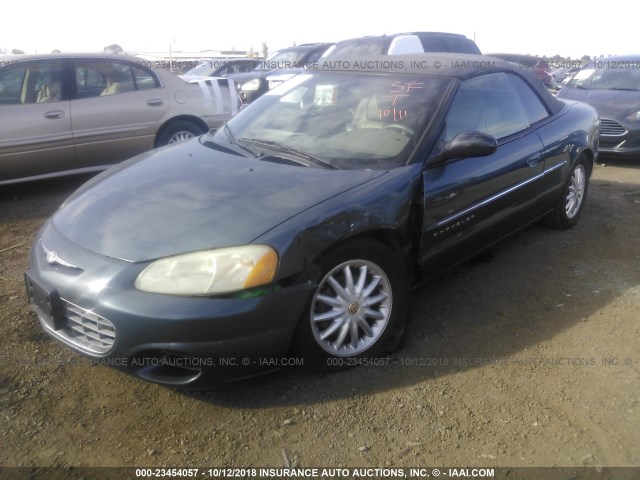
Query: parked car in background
[
  {"x": 65, "y": 114},
  {"x": 301, "y": 226},
  {"x": 403, "y": 43},
  {"x": 538, "y": 65},
  {"x": 612, "y": 86},
  {"x": 564, "y": 74},
  {"x": 223, "y": 67},
  {"x": 252, "y": 85},
  {"x": 395, "y": 44}
]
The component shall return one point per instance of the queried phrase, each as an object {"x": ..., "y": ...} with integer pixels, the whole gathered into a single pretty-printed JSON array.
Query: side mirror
[{"x": 470, "y": 144}]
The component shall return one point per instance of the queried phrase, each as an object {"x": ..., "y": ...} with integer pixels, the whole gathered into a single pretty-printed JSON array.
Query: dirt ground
[{"x": 527, "y": 357}]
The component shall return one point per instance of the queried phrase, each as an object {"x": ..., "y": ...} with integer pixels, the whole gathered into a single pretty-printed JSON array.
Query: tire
[
  {"x": 336, "y": 330},
  {"x": 177, "y": 132},
  {"x": 570, "y": 205}
]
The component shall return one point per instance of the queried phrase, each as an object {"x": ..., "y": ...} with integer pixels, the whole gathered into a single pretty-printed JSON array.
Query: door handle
[
  {"x": 155, "y": 102},
  {"x": 54, "y": 114},
  {"x": 535, "y": 160}
]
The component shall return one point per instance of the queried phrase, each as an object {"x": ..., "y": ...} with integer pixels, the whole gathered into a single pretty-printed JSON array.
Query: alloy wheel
[
  {"x": 575, "y": 195},
  {"x": 351, "y": 308}
]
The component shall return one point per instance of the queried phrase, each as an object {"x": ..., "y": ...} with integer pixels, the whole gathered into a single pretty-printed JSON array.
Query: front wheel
[
  {"x": 569, "y": 207},
  {"x": 358, "y": 310},
  {"x": 179, "y": 131}
]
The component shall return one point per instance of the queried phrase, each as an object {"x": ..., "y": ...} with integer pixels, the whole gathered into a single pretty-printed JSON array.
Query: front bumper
[
  {"x": 619, "y": 150},
  {"x": 92, "y": 306},
  {"x": 619, "y": 140}
]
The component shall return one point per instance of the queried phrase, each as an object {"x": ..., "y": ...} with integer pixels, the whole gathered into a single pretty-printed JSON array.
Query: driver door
[{"x": 472, "y": 202}]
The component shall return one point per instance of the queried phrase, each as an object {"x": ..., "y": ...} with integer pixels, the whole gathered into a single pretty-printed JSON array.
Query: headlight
[
  {"x": 210, "y": 271},
  {"x": 634, "y": 117},
  {"x": 251, "y": 85}
]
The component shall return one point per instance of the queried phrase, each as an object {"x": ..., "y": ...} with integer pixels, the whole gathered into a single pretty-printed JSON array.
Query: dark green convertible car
[{"x": 303, "y": 224}]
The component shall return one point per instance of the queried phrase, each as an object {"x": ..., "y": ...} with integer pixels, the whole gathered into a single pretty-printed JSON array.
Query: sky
[{"x": 541, "y": 28}]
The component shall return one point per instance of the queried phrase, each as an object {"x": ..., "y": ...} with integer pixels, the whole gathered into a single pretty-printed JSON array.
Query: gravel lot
[{"x": 529, "y": 356}]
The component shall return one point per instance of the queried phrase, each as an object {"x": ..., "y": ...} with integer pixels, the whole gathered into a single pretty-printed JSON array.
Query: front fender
[{"x": 381, "y": 205}]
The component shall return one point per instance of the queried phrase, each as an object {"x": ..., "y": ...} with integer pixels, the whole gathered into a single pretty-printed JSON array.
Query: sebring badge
[{"x": 53, "y": 258}]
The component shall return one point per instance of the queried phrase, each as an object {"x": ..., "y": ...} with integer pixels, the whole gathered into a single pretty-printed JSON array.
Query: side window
[
  {"x": 489, "y": 104},
  {"x": 31, "y": 82},
  {"x": 434, "y": 44},
  {"x": 119, "y": 79},
  {"x": 11, "y": 81},
  {"x": 89, "y": 81},
  {"x": 48, "y": 81},
  {"x": 144, "y": 79},
  {"x": 101, "y": 78},
  {"x": 534, "y": 108},
  {"x": 463, "y": 45}
]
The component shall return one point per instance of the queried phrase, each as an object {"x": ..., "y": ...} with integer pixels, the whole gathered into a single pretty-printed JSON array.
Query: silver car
[{"x": 63, "y": 114}]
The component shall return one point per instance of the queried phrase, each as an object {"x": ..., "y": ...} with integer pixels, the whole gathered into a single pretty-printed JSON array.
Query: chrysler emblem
[{"x": 53, "y": 258}]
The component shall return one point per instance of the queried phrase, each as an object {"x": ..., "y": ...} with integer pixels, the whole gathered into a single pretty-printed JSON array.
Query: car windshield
[
  {"x": 612, "y": 76},
  {"x": 343, "y": 119}
]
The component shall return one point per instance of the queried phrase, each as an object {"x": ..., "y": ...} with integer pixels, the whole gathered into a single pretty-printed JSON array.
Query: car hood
[
  {"x": 191, "y": 197},
  {"x": 614, "y": 104}
]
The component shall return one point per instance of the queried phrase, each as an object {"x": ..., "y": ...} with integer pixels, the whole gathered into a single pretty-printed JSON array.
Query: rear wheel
[
  {"x": 179, "y": 131},
  {"x": 358, "y": 310},
  {"x": 569, "y": 207}
]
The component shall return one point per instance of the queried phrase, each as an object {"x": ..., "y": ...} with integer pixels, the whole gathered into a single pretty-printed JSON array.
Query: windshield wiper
[
  {"x": 625, "y": 89},
  {"x": 229, "y": 133},
  {"x": 232, "y": 140},
  {"x": 279, "y": 147}
]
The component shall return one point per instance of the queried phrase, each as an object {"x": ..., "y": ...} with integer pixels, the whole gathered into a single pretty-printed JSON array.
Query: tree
[
  {"x": 265, "y": 50},
  {"x": 585, "y": 59},
  {"x": 17, "y": 51},
  {"x": 114, "y": 48},
  {"x": 55, "y": 50}
]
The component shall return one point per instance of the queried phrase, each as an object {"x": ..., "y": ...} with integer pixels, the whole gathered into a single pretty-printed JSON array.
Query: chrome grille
[
  {"x": 611, "y": 127},
  {"x": 609, "y": 144},
  {"x": 87, "y": 330}
]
